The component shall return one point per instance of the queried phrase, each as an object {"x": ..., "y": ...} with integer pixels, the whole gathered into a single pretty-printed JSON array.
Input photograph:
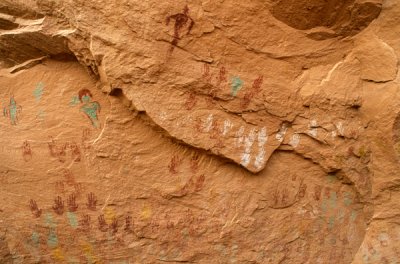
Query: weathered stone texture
[{"x": 201, "y": 132}]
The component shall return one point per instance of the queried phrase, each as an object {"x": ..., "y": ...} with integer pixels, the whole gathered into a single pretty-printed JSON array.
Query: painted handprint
[
  {"x": 85, "y": 222},
  {"x": 255, "y": 89},
  {"x": 72, "y": 206},
  {"x": 128, "y": 223},
  {"x": 114, "y": 225},
  {"x": 174, "y": 164},
  {"x": 92, "y": 201},
  {"x": 35, "y": 209},
  {"x": 58, "y": 206},
  {"x": 103, "y": 227}
]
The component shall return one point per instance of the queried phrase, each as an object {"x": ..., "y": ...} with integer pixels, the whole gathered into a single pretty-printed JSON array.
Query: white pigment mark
[
  {"x": 281, "y": 134},
  {"x": 208, "y": 124},
  {"x": 227, "y": 126},
  {"x": 239, "y": 136},
  {"x": 295, "y": 140},
  {"x": 163, "y": 116},
  {"x": 313, "y": 131},
  {"x": 248, "y": 143},
  {"x": 262, "y": 137},
  {"x": 340, "y": 128},
  {"x": 262, "y": 140}
]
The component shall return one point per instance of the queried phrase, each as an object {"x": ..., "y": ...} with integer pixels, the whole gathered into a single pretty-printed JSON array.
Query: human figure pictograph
[
  {"x": 12, "y": 111},
  {"x": 181, "y": 20},
  {"x": 90, "y": 108}
]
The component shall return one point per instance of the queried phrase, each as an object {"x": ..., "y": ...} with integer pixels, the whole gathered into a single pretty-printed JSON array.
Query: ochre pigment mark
[
  {"x": 85, "y": 223},
  {"x": 91, "y": 201},
  {"x": 103, "y": 227},
  {"x": 58, "y": 151},
  {"x": 181, "y": 20},
  {"x": 72, "y": 206},
  {"x": 174, "y": 164},
  {"x": 58, "y": 206},
  {"x": 35, "y": 209},
  {"x": 251, "y": 93},
  {"x": 26, "y": 151}
]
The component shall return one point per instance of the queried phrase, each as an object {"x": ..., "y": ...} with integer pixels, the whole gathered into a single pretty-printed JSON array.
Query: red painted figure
[{"x": 181, "y": 20}]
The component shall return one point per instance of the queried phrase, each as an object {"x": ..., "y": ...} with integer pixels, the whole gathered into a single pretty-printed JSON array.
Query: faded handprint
[
  {"x": 194, "y": 162},
  {"x": 75, "y": 152},
  {"x": 255, "y": 89},
  {"x": 114, "y": 226},
  {"x": 26, "y": 151},
  {"x": 72, "y": 206},
  {"x": 92, "y": 201},
  {"x": 199, "y": 183},
  {"x": 56, "y": 151},
  {"x": 58, "y": 206},
  {"x": 35, "y": 209},
  {"x": 174, "y": 164},
  {"x": 85, "y": 223},
  {"x": 103, "y": 227},
  {"x": 128, "y": 223}
]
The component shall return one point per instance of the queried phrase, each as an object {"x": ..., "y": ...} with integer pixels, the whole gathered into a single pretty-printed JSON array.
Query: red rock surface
[{"x": 202, "y": 132}]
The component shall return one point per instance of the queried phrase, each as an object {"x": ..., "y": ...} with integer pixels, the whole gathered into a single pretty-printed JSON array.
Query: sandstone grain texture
[{"x": 199, "y": 132}]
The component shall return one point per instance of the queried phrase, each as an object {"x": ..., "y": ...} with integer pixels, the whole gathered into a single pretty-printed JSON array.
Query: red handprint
[
  {"x": 91, "y": 204},
  {"x": 58, "y": 207},
  {"x": 72, "y": 206},
  {"x": 35, "y": 209}
]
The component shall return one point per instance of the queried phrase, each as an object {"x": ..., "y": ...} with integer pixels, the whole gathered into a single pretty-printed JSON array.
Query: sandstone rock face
[{"x": 201, "y": 132}]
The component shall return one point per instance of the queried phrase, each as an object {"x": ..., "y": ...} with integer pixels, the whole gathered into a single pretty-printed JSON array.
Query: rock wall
[{"x": 202, "y": 132}]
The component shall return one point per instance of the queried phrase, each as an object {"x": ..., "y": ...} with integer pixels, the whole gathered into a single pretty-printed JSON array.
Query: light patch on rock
[
  {"x": 209, "y": 122},
  {"x": 227, "y": 126},
  {"x": 163, "y": 116},
  {"x": 262, "y": 140},
  {"x": 248, "y": 143},
  {"x": 281, "y": 134},
  {"x": 295, "y": 140},
  {"x": 239, "y": 136},
  {"x": 340, "y": 128},
  {"x": 313, "y": 128}
]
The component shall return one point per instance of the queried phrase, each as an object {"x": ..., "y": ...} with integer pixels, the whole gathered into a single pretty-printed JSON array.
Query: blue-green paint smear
[
  {"x": 331, "y": 222},
  {"x": 353, "y": 216},
  {"x": 90, "y": 109},
  {"x": 347, "y": 199},
  {"x": 13, "y": 110},
  {"x": 73, "y": 221},
  {"x": 333, "y": 200},
  {"x": 74, "y": 101},
  {"x": 50, "y": 221},
  {"x": 236, "y": 85},
  {"x": 35, "y": 239},
  {"x": 41, "y": 114},
  {"x": 52, "y": 239},
  {"x": 38, "y": 92}
]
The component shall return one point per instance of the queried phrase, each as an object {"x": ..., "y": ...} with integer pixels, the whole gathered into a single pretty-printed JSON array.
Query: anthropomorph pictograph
[
  {"x": 12, "y": 111},
  {"x": 26, "y": 151},
  {"x": 90, "y": 108},
  {"x": 236, "y": 85},
  {"x": 181, "y": 20}
]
